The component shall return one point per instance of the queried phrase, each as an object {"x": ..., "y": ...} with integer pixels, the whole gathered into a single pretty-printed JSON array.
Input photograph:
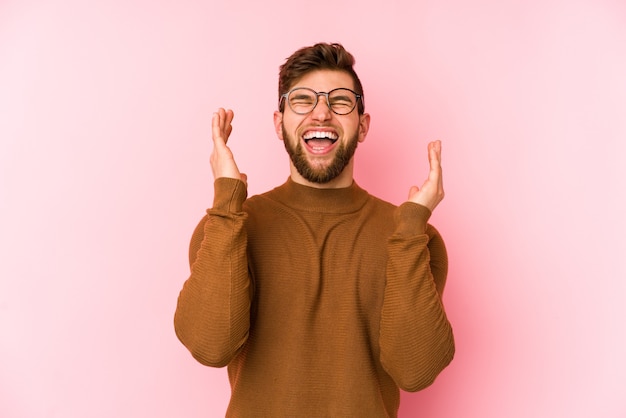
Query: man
[{"x": 322, "y": 300}]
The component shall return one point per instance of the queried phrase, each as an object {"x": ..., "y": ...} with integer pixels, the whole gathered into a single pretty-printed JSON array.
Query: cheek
[
  {"x": 290, "y": 128},
  {"x": 352, "y": 129}
]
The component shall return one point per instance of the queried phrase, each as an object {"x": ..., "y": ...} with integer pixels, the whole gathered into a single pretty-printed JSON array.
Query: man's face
[{"x": 321, "y": 144}]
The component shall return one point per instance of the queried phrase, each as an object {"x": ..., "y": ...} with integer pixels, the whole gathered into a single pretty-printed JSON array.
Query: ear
[
  {"x": 364, "y": 126},
  {"x": 278, "y": 124}
]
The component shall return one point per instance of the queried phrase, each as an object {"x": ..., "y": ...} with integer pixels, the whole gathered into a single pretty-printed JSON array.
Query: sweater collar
[{"x": 311, "y": 199}]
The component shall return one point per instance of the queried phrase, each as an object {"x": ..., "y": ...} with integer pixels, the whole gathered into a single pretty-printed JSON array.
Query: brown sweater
[{"x": 322, "y": 302}]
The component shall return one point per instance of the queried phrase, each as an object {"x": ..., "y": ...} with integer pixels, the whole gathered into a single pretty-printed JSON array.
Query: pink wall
[{"x": 104, "y": 142}]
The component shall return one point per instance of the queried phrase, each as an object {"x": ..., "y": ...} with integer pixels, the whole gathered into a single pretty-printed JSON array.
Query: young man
[{"x": 322, "y": 300}]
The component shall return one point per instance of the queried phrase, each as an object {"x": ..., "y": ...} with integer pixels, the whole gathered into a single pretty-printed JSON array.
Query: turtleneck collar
[{"x": 311, "y": 199}]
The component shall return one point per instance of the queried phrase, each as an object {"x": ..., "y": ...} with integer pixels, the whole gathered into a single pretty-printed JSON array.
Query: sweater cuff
[
  {"x": 229, "y": 195},
  {"x": 411, "y": 219}
]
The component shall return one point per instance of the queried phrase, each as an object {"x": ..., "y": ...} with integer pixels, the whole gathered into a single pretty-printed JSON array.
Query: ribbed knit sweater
[{"x": 321, "y": 302}]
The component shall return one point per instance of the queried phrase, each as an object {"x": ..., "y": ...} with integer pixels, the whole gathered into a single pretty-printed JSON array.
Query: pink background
[{"x": 104, "y": 142}]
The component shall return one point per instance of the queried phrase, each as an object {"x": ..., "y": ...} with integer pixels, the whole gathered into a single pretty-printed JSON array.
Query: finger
[
  {"x": 227, "y": 132},
  {"x": 436, "y": 173},
  {"x": 434, "y": 152},
  {"x": 434, "y": 157},
  {"x": 222, "y": 114},
  {"x": 229, "y": 116},
  {"x": 216, "y": 129},
  {"x": 226, "y": 127}
]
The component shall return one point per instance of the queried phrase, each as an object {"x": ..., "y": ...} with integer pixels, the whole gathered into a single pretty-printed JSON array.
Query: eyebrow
[
  {"x": 342, "y": 98},
  {"x": 301, "y": 96}
]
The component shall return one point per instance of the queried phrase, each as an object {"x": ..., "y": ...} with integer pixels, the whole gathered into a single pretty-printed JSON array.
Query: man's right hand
[{"x": 222, "y": 160}]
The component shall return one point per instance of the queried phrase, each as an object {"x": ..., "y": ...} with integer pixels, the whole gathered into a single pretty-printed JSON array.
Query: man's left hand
[{"x": 431, "y": 192}]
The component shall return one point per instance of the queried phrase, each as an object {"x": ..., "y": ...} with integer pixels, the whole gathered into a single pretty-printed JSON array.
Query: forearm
[
  {"x": 212, "y": 316},
  {"x": 416, "y": 338}
]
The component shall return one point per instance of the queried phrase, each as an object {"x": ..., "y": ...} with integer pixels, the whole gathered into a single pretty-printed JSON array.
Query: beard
[{"x": 324, "y": 174}]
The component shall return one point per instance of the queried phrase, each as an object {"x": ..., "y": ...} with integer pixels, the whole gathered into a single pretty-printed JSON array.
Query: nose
[{"x": 321, "y": 111}]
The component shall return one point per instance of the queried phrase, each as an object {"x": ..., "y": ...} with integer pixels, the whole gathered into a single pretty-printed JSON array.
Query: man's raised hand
[
  {"x": 222, "y": 160},
  {"x": 431, "y": 192}
]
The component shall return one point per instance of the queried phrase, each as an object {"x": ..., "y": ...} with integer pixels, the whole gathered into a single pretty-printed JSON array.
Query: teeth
[{"x": 319, "y": 135}]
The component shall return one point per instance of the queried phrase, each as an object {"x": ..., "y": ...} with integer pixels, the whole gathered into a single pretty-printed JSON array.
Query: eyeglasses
[{"x": 302, "y": 100}]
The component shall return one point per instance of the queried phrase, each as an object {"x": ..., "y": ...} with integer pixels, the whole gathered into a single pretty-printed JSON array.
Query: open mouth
[{"x": 320, "y": 140}]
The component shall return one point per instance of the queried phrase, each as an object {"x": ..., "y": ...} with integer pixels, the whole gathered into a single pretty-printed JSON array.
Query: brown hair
[{"x": 321, "y": 56}]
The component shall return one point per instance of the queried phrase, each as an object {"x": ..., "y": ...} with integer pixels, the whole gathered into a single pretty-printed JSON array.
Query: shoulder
[
  {"x": 380, "y": 203},
  {"x": 260, "y": 201}
]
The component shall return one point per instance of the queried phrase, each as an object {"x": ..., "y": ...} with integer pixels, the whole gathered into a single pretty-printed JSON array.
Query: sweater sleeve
[
  {"x": 212, "y": 316},
  {"x": 416, "y": 338}
]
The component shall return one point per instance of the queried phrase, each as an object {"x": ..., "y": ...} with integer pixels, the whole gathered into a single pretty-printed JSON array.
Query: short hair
[{"x": 321, "y": 56}]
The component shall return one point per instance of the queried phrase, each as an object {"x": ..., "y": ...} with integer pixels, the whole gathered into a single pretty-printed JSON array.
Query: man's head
[
  {"x": 321, "y": 56},
  {"x": 321, "y": 115}
]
